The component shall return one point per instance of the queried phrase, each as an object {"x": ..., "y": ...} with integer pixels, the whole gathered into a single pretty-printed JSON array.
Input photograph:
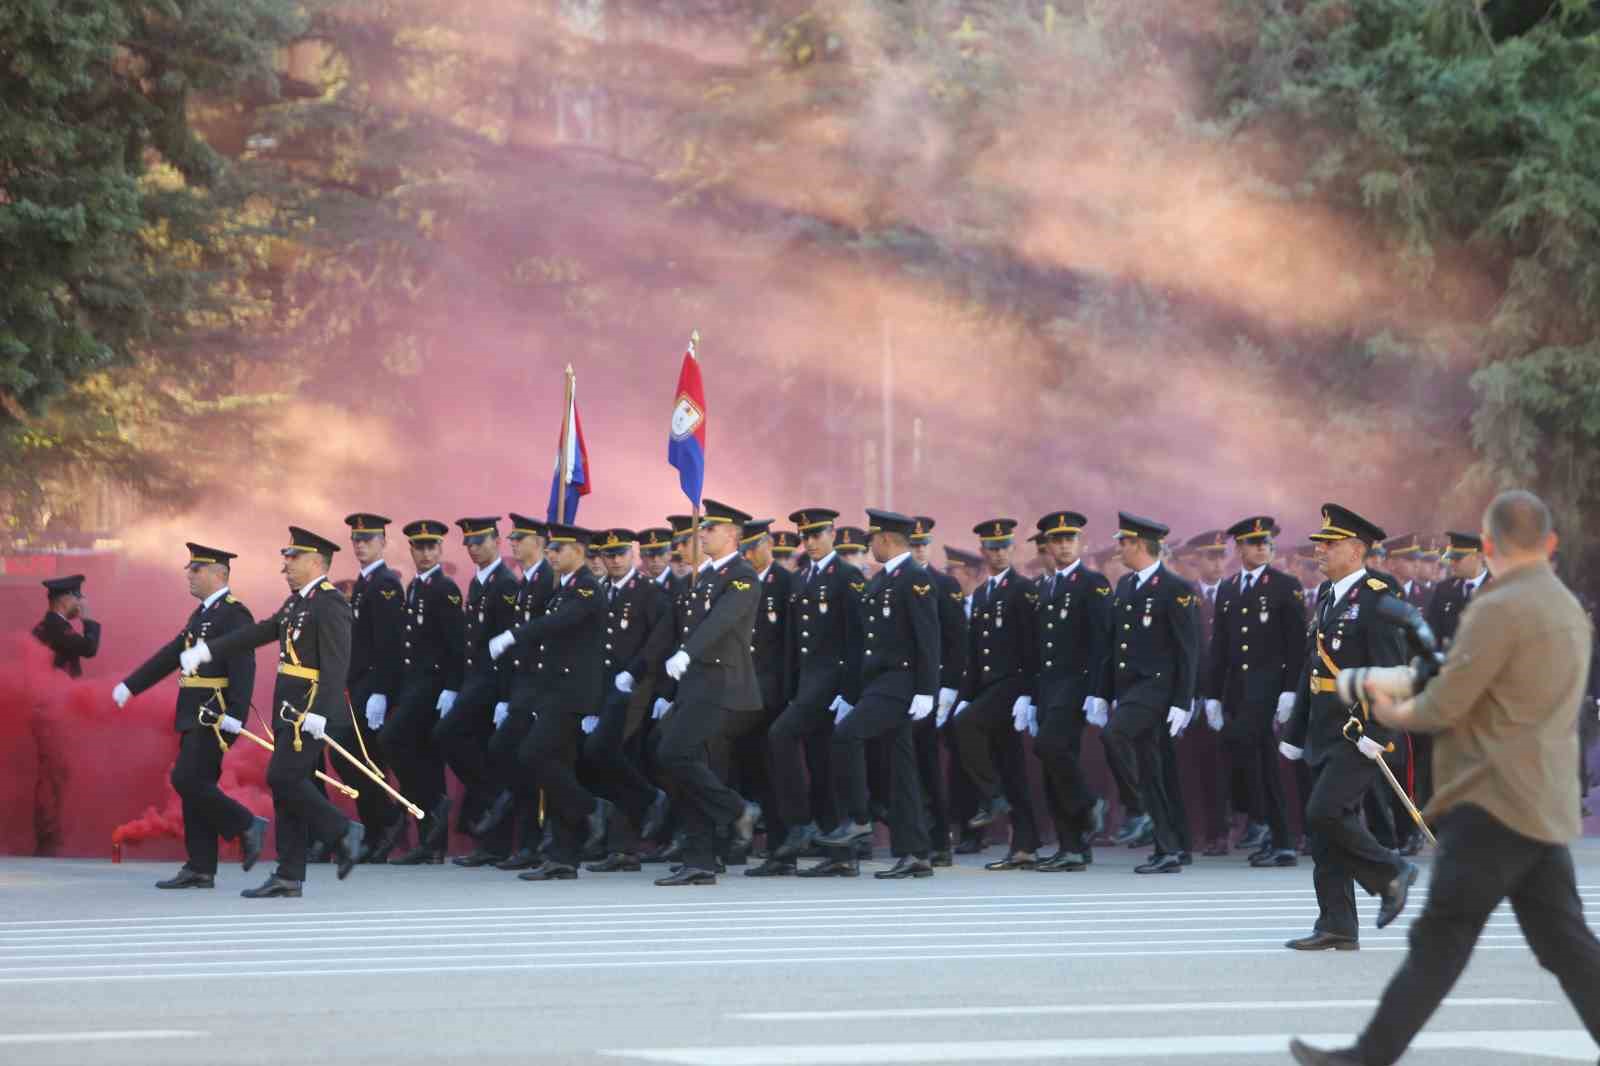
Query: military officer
[
  {"x": 432, "y": 660},
  {"x": 966, "y": 569},
  {"x": 1405, "y": 564},
  {"x": 925, "y": 732},
  {"x": 769, "y": 652},
  {"x": 997, "y": 693},
  {"x": 1257, "y": 652},
  {"x": 786, "y": 549},
  {"x": 1444, "y": 604},
  {"x": 222, "y": 690},
  {"x": 851, "y": 544},
  {"x": 312, "y": 631},
  {"x": 1074, "y": 627},
  {"x": 655, "y": 556},
  {"x": 66, "y": 603},
  {"x": 1148, "y": 683},
  {"x": 466, "y": 726},
  {"x": 1204, "y": 760},
  {"x": 682, "y": 533},
  {"x": 1345, "y": 632}
]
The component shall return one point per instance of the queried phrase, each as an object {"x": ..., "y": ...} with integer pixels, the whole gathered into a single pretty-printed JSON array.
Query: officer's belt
[
  {"x": 1324, "y": 684},
  {"x": 215, "y": 684},
  {"x": 305, "y": 673}
]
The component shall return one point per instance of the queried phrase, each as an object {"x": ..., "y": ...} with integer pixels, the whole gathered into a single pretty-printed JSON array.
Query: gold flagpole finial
[{"x": 694, "y": 340}]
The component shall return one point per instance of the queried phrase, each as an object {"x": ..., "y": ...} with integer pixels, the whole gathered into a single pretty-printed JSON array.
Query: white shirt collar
[
  {"x": 625, "y": 578},
  {"x": 995, "y": 579},
  {"x": 483, "y": 575},
  {"x": 313, "y": 583},
  {"x": 764, "y": 572},
  {"x": 720, "y": 563},
  {"x": 1406, "y": 587},
  {"x": 894, "y": 564},
  {"x": 1473, "y": 582},
  {"x": 426, "y": 574},
  {"x": 1068, "y": 571},
  {"x": 529, "y": 573},
  {"x": 366, "y": 571},
  {"x": 1144, "y": 575},
  {"x": 822, "y": 564},
  {"x": 666, "y": 576},
  {"x": 214, "y": 597},
  {"x": 563, "y": 580},
  {"x": 1344, "y": 584}
]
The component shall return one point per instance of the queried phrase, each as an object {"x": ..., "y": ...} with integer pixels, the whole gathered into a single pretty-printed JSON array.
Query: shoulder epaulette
[
  {"x": 229, "y": 599},
  {"x": 1375, "y": 585},
  {"x": 326, "y": 586}
]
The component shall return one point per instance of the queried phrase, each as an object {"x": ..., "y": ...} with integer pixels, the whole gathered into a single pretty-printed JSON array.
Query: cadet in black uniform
[
  {"x": 312, "y": 630},
  {"x": 464, "y": 728},
  {"x": 515, "y": 813},
  {"x": 786, "y": 549},
  {"x": 1150, "y": 677},
  {"x": 715, "y": 677},
  {"x": 966, "y": 569},
  {"x": 378, "y": 613},
  {"x": 825, "y": 652},
  {"x": 1200, "y": 752},
  {"x": 899, "y": 684},
  {"x": 223, "y": 690},
  {"x": 1345, "y": 633},
  {"x": 769, "y": 653},
  {"x": 432, "y": 657},
  {"x": 1443, "y": 606},
  {"x": 1002, "y": 666},
  {"x": 54, "y": 631},
  {"x": 1257, "y": 654},
  {"x": 925, "y": 732},
  {"x": 655, "y": 554},
  {"x": 1074, "y": 629}
]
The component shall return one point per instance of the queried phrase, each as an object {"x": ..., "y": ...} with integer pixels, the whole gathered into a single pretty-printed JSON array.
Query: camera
[{"x": 1400, "y": 682}]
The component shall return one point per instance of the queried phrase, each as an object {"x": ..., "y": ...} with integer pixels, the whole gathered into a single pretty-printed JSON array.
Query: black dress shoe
[
  {"x": 491, "y": 818},
  {"x": 1324, "y": 942},
  {"x": 419, "y": 856},
  {"x": 379, "y": 849},
  {"x": 1271, "y": 858},
  {"x": 831, "y": 868},
  {"x": 771, "y": 868},
  {"x": 1062, "y": 862},
  {"x": 672, "y": 853},
  {"x": 250, "y": 843},
  {"x": 1256, "y": 836},
  {"x": 687, "y": 875},
  {"x": 318, "y": 852},
  {"x": 1185, "y": 859},
  {"x": 845, "y": 835},
  {"x": 550, "y": 871},
  {"x": 479, "y": 856},
  {"x": 1016, "y": 860},
  {"x": 274, "y": 887},
  {"x": 1307, "y": 1055},
  {"x": 1394, "y": 897},
  {"x": 523, "y": 859},
  {"x": 971, "y": 844},
  {"x": 348, "y": 850},
  {"x": 743, "y": 829},
  {"x": 989, "y": 812},
  {"x": 616, "y": 862},
  {"x": 1131, "y": 830},
  {"x": 437, "y": 835},
  {"x": 941, "y": 858},
  {"x": 187, "y": 878},
  {"x": 795, "y": 842},
  {"x": 655, "y": 818},
  {"x": 908, "y": 866},
  {"x": 1160, "y": 864},
  {"x": 718, "y": 866},
  {"x": 735, "y": 856}
]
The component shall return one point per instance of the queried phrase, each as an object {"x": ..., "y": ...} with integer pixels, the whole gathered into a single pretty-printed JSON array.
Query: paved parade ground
[{"x": 440, "y": 964}]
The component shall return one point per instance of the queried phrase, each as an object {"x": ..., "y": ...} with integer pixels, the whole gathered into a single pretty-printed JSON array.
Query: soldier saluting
[
  {"x": 312, "y": 630},
  {"x": 54, "y": 631}
]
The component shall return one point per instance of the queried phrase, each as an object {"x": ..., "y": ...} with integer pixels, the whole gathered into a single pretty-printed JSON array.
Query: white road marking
[
  {"x": 1051, "y": 1010},
  {"x": 100, "y": 1036}
]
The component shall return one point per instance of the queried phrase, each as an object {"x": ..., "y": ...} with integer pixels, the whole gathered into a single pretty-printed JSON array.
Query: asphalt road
[{"x": 440, "y": 964}]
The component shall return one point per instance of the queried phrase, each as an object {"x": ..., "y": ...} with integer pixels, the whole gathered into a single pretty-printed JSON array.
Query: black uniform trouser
[
  {"x": 463, "y": 738},
  {"x": 1481, "y": 862},
  {"x": 301, "y": 813},
  {"x": 704, "y": 803},
  {"x": 1343, "y": 850},
  {"x": 1127, "y": 791},
  {"x": 550, "y": 751},
  {"x": 963, "y": 793},
  {"x": 208, "y": 812},
  {"x": 1059, "y": 748},
  {"x": 882, "y": 711},
  {"x": 1138, "y": 741},
  {"x": 374, "y": 808},
  {"x": 510, "y": 774},
  {"x": 793, "y": 741},
  {"x": 1210, "y": 780},
  {"x": 931, "y": 779},
  {"x": 610, "y": 763},
  {"x": 1253, "y": 751},
  {"x": 991, "y": 751},
  {"x": 1422, "y": 769},
  {"x": 406, "y": 741}
]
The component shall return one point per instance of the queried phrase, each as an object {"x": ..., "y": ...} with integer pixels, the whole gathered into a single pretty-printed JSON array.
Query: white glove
[
  {"x": 677, "y": 665},
  {"x": 1033, "y": 720},
  {"x": 921, "y": 707},
  {"x": 947, "y": 700},
  {"x": 447, "y": 701},
  {"x": 660, "y": 709},
  {"x": 1289, "y": 751},
  {"x": 963, "y": 705},
  {"x": 942, "y": 717},
  {"x": 498, "y": 645},
  {"x": 1285, "y": 706},
  {"x": 590, "y": 723},
  {"x": 1369, "y": 747},
  {"x": 189, "y": 659},
  {"x": 1097, "y": 711},
  {"x": 377, "y": 710},
  {"x": 229, "y": 724},
  {"x": 502, "y": 711},
  {"x": 840, "y": 709},
  {"x": 1214, "y": 715},
  {"x": 1019, "y": 713},
  {"x": 1178, "y": 720},
  {"x": 314, "y": 725},
  {"x": 624, "y": 682},
  {"x": 121, "y": 695}
]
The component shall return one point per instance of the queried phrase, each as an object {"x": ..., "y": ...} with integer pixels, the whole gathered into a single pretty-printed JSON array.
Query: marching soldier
[
  {"x": 1204, "y": 557},
  {"x": 997, "y": 694},
  {"x": 378, "y": 619},
  {"x": 1074, "y": 628},
  {"x": 312, "y": 630},
  {"x": 467, "y": 724},
  {"x": 682, "y": 530},
  {"x": 1346, "y": 632},
  {"x": 825, "y": 646},
  {"x": 966, "y": 569},
  {"x": 655, "y": 556},
  {"x": 952, "y": 667},
  {"x": 66, "y": 603},
  {"x": 432, "y": 647},
  {"x": 1150, "y": 676},
  {"x": 769, "y": 653},
  {"x": 222, "y": 691},
  {"x": 566, "y": 644},
  {"x": 1257, "y": 653}
]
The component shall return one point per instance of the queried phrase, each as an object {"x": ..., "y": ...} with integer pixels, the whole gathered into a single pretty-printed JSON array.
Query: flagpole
[
  {"x": 561, "y": 451},
  {"x": 694, "y": 565}
]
